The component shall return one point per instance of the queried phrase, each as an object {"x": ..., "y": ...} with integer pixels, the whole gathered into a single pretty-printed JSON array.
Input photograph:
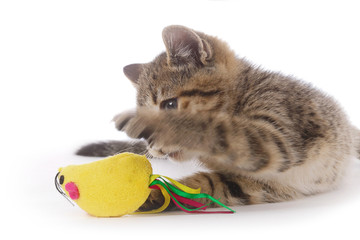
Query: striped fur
[{"x": 265, "y": 137}]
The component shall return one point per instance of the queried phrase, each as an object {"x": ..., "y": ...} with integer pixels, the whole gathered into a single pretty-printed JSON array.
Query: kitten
[{"x": 265, "y": 137}]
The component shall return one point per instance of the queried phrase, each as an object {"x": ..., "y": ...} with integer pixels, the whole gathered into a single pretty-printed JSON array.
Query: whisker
[
  {"x": 149, "y": 155},
  {"x": 60, "y": 190}
]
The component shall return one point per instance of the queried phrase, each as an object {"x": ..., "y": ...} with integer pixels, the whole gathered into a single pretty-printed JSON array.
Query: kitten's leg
[
  {"x": 109, "y": 148},
  {"x": 235, "y": 143},
  {"x": 231, "y": 190}
]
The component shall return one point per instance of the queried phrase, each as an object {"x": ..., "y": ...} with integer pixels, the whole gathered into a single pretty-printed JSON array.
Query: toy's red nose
[{"x": 72, "y": 190}]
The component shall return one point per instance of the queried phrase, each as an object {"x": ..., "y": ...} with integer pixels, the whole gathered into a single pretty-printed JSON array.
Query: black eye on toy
[
  {"x": 61, "y": 180},
  {"x": 169, "y": 104}
]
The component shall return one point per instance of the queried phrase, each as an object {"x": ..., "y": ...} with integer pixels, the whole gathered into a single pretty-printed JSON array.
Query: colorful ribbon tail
[
  {"x": 164, "y": 206},
  {"x": 182, "y": 195}
]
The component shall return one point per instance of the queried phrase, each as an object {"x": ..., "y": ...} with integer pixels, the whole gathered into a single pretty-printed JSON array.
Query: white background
[{"x": 61, "y": 83}]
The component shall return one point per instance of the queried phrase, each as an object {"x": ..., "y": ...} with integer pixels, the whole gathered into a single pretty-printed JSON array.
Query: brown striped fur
[{"x": 265, "y": 137}]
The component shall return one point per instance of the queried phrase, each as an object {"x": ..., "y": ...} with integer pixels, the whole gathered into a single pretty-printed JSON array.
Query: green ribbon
[{"x": 171, "y": 188}]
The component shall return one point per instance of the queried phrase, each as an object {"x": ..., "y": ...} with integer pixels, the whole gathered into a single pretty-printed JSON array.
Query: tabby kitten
[{"x": 265, "y": 137}]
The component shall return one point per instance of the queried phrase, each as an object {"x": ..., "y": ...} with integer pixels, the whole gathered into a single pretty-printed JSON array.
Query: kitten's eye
[{"x": 169, "y": 104}]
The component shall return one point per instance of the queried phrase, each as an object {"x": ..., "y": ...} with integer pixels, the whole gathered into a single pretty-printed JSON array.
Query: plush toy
[{"x": 120, "y": 184}]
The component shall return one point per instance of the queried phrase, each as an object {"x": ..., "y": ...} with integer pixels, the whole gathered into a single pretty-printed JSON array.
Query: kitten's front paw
[
  {"x": 160, "y": 134},
  {"x": 123, "y": 118},
  {"x": 136, "y": 125}
]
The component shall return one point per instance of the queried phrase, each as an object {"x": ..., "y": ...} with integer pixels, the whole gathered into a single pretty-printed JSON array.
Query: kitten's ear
[
  {"x": 185, "y": 47},
  {"x": 132, "y": 72}
]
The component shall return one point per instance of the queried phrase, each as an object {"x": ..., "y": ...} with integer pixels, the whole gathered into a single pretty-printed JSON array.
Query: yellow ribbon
[
  {"x": 166, "y": 194},
  {"x": 177, "y": 184}
]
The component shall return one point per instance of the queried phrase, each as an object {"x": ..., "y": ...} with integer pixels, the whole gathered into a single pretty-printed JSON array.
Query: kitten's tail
[{"x": 110, "y": 148}]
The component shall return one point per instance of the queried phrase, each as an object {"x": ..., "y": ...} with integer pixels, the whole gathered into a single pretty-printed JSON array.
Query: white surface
[{"x": 61, "y": 83}]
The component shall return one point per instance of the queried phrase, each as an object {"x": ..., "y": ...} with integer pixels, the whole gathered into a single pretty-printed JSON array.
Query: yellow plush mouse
[{"x": 119, "y": 185}]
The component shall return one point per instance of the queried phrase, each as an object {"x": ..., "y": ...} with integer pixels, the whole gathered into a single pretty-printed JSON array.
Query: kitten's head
[{"x": 190, "y": 76}]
